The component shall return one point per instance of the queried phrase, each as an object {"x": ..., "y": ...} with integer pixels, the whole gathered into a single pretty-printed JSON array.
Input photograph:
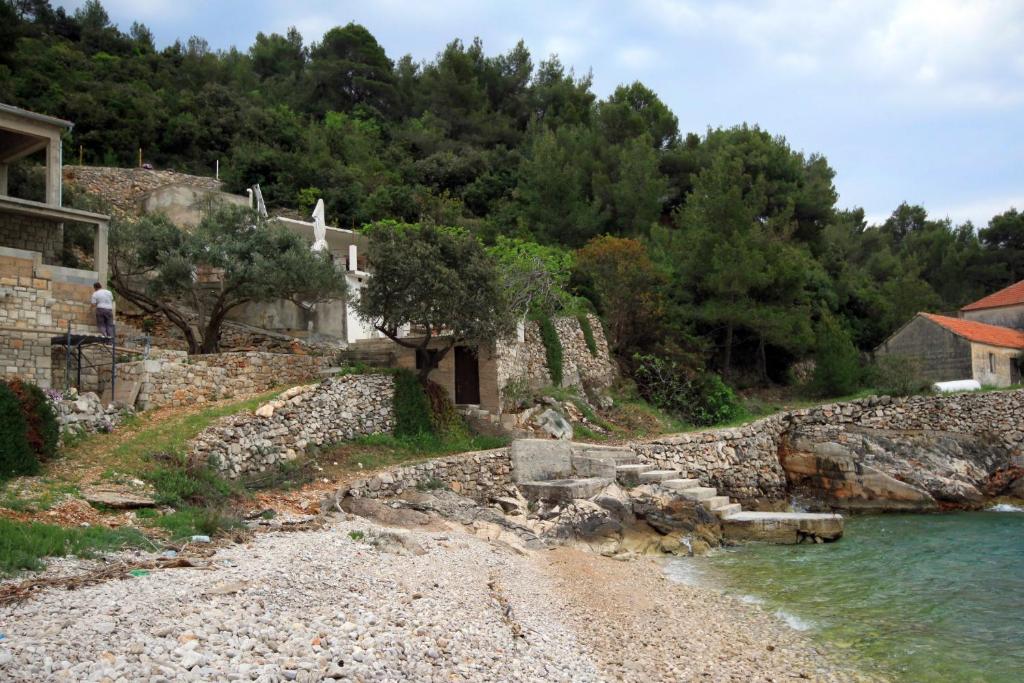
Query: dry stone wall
[
  {"x": 580, "y": 368},
  {"x": 32, "y": 234},
  {"x": 478, "y": 475},
  {"x": 174, "y": 378},
  {"x": 337, "y": 409},
  {"x": 744, "y": 462}
]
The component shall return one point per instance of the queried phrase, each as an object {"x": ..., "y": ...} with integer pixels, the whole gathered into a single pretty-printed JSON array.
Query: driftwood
[{"x": 24, "y": 590}]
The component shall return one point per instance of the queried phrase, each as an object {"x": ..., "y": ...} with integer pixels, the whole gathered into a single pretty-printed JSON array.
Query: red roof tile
[
  {"x": 992, "y": 335},
  {"x": 1011, "y": 296}
]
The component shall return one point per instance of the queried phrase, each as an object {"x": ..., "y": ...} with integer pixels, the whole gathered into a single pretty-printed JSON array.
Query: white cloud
[
  {"x": 636, "y": 57},
  {"x": 979, "y": 211},
  {"x": 964, "y": 52}
]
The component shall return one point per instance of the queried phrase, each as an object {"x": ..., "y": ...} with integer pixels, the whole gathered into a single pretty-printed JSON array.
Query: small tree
[
  {"x": 439, "y": 282},
  {"x": 837, "y": 369},
  {"x": 229, "y": 259}
]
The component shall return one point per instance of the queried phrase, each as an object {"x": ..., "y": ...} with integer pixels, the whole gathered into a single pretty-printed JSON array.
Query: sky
[{"x": 910, "y": 100}]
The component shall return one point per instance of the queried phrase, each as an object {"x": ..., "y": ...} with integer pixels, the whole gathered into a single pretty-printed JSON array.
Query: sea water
[{"x": 914, "y": 597}]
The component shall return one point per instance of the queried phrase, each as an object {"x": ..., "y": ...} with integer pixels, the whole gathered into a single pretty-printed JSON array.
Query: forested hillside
[{"x": 722, "y": 249}]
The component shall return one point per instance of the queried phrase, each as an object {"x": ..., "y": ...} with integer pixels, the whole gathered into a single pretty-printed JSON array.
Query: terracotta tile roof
[
  {"x": 992, "y": 335},
  {"x": 1012, "y": 295}
]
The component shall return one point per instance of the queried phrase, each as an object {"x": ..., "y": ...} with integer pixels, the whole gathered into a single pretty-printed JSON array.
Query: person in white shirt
[{"x": 103, "y": 302}]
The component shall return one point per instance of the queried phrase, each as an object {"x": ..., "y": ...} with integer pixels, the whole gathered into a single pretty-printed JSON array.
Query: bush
[
  {"x": 552, "y": 349},
  {"x": 411, "y": 406},
  {"x": 178, "y": 482},
  {"x": 837, "y": 369},
  {"x": 894, "y": 375},
  {"x": 702, "y": 400},
  {"x": 588, "y": 334},
  {"x": 16, "y": 456},
  {"x": 43, "y": 430},
  {"x": 444, "y": 419}
]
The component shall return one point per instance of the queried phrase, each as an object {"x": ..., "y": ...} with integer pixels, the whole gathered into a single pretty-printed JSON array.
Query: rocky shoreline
[{"x": 357, "y": 601}]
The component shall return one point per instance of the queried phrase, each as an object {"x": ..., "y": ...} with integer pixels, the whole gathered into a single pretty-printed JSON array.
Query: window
[{"x": 992, "y": 363}]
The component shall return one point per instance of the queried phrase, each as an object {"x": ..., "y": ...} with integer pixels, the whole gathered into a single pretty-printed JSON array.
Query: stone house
[
  {"x": 958, "y": 348},
  {"x": 40, "y": 298},
  {"x": 1004, "y": 308}
]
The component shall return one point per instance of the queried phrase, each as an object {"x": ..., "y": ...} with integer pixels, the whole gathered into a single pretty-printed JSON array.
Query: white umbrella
[{"x": 319, "y": 227}]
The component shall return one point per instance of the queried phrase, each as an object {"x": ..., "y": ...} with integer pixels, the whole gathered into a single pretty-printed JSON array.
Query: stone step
[
  {"x": 782, "y": 527},
  {"x": 715, "y": 502},
  {"x": 699, "y": 493},
  {"x": 658, "y": 476},
  {"x": 681, "y": 484},
  {"x": 727, "y": 510},
  {"x": 562, "y": 490},
  {"x": 629, "y": 475}
]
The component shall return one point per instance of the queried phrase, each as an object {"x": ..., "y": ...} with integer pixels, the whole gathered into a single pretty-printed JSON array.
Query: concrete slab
[
  {"x": 782, "y": 527},
  {"x": 541, "y": 459},
  {"x": 681, "y": 484},
  {"x": 658, "y": 476},
  {"x": 715, "y": 502},
  {"x": 699, "y": 493},
  {"x": 629, "y": 475},
  {"x": 562, "y": 490},
  {"x": 727, "y": 510}
]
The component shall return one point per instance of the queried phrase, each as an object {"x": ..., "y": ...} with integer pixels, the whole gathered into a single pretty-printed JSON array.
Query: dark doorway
[{"x": 467, "y": 376}]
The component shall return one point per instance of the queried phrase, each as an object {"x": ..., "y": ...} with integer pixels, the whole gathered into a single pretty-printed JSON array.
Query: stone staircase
[{"x": 558, "y": 472}]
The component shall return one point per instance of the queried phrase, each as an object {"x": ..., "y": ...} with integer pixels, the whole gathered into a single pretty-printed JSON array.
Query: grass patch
[
  {"x": 52, "y": 493},
  {"x": 129, "y": 453},
  {"x": 356, "y": 535},
  {"x": 192, "y": 521},
  {"x": 22, "y": 545},
  {"x": 384, "y": 450}
]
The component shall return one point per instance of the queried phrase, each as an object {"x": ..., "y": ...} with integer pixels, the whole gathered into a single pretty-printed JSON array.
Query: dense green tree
[
  {"x": 438, "y": 282},
  {"x": 1004, "y": 243},
  {"x": 349, "y": 71}
]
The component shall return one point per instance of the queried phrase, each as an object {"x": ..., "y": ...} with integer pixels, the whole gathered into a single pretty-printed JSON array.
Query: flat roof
[{"x": 34, "y": 116}]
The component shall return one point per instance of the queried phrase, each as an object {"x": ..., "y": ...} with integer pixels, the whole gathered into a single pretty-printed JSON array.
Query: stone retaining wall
[
  {"x": 744, "y": 463},
  {"x": 477, "y": 475},
  {"x": 337, "y": 409},
  {"x": 580, "y": 368},
  {"x": 177, "y": 379}
]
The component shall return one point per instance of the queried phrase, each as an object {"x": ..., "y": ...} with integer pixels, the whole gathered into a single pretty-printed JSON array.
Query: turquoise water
[{"x": 916, "y": 597}]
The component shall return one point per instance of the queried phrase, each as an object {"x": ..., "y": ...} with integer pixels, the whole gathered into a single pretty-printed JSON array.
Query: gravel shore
[{"x": 409, "y": 606}]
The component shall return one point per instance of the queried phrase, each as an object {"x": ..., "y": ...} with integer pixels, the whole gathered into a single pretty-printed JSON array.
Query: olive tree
[
  {"x": 231, "y": 258},
  {"x": 437, "y": 282}
]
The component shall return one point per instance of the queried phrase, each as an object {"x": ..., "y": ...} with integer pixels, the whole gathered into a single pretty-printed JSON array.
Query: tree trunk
[
  {"x": 727, "y": 364},
  {"x": 762, "y": 359}
]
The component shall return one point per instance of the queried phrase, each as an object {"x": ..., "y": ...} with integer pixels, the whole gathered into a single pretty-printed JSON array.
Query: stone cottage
[
  {"x": 40, "y": 297},
  {"x": 1005, "y": 308},
  {"x": 958, "y": 348}
]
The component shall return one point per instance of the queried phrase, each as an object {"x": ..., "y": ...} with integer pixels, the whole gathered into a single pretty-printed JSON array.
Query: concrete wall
[
  {"x": 1005, "y": 316},
  {"x": 184, "y": 204},
  {"x": 995, "y": 366},
  {"x": 326, "y": 319},
  {"x": 32, "y": 234},
  {"x": 944, "y": 356}
]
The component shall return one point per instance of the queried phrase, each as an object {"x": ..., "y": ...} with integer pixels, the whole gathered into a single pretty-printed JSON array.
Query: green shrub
[
  {"x": 444, "y": 419},
  {"x": 411, "y": 406},
  {"x": 16, "y": 456},
  {"x": 837, "y": 369},
  {"x": 178, "y": 482},
  {"x": 894, "y": 375},
  {"x": 702, "y": 400},
  {"x": 588, "y": 334},
  {"x": 43, "y": 430},
  {"x": 356, "y": 535},
  {"x": 190, "y": 521},
  {"x": 552, "y": 349}
]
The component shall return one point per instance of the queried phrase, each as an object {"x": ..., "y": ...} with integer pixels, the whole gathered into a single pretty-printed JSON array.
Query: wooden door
[{"x": 467, "y": 376}]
